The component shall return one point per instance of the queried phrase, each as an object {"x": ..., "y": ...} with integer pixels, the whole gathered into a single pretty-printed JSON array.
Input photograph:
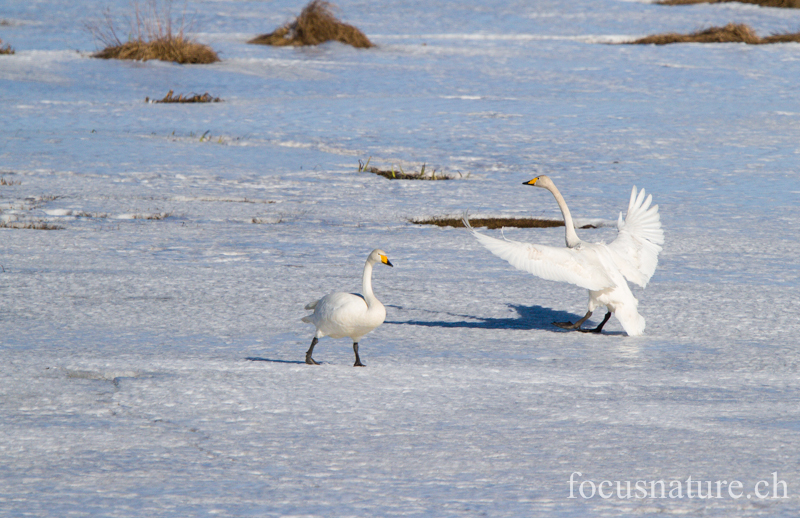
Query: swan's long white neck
[
  {"x": 366, "y": 285},
  {"x": 571, "y": 237}
]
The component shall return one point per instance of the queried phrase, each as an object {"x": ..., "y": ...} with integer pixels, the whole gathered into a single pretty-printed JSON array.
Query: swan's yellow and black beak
[
  {"x": 531, "y": 182},
  {"x": 385, "y": 260}
]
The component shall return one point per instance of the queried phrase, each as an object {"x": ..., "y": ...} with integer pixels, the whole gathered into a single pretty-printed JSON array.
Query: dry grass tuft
[
  {"x": 196, "y": 98},
  {"x": 491, "y": 223},
  {"x": 399, "y": 174},
  {"x": 731, "y": 33},
  {"x": 792, "y": 4},
  {"x": 3, "y": 181},
  {"x": 151, "y": 36},
  {"x": 173, "y": 48},
  {"x": 6, "y": 49},
  {"x": 316, "y": 24}
]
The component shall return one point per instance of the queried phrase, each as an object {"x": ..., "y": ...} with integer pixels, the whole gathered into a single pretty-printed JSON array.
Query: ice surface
[{"x": 151, "y": 349}]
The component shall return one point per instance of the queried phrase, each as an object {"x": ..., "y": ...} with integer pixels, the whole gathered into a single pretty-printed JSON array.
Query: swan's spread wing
[
  {"x": 639, "y": 241},
  {"x": 579, "y": 267}
]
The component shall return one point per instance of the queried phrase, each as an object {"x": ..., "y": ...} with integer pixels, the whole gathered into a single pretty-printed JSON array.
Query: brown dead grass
[
  {"x": 399, "y": 174},
  {"x": 6, "y": 49},
  {"x": 152, "y": 34},
  {"x": 791, "y": 4},
  {"x": 196, "y": 98},
  {"x": 731, "y": 33},
  {"x": 783, "y": 38},
  {"x": 3, "y": 181},
  {"x": 315, "y": 25},
  {"x": 173, "y": 48},
  {"x": 491, "y": 223}
]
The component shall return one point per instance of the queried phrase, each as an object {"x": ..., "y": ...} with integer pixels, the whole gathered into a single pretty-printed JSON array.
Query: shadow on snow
[
  {"x": 528, "y": 317},
  {"x": 258, "y": 359}
]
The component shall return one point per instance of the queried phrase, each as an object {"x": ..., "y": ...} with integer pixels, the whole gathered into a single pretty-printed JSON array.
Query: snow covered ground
[{"x": 151, "y": 350}]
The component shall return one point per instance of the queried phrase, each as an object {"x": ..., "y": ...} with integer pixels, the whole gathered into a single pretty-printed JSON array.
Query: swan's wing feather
[
  {"x": 336, "y": 309},
  {"x": 551, "y": 263},
  {"x": 334, "y": 304},
  {"x": 636, "y": 248}
]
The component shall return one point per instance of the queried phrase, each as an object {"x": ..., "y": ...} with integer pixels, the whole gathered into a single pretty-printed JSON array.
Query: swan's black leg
[
  {"x": 358, "y": 360},
  {"x": 577, "y": 325},
  {"x": 598, "y": 328},
  {"x": 309, "y": 359}
]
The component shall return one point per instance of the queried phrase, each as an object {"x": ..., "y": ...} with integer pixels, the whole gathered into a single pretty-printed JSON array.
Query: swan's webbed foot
[
  {"x": 358, "y": 359},
  {"x": 577, "y": 325},
  {"x": 567, "y": 325},
  {"x": 599, "y": 328},
  {"x": 309, "y": 359}
]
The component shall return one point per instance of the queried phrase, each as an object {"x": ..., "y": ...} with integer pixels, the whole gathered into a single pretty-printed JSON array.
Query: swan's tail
[
  {"x": 632, "y": 322},
  {"x": 308, "y": 319}
]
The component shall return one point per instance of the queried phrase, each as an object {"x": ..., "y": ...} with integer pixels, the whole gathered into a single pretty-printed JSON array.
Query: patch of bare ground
[
  {"x": 315, "y": 25},
  {"x": 6, "y": 49},
  {"x": 152, "y": 34},
  {"x": 790, "y": 4},
  {"x": 89, "y": 215},
  {"x": 267, "y": 221},
  {"x": 157, "y": 216},
  {"x": 180, "y": 98},
  {"x": 399, "y": 174},
  {"x": 731, "y": 33},
  {"x": 30, "y": 225},
  {"x": 491, "y": 223}
]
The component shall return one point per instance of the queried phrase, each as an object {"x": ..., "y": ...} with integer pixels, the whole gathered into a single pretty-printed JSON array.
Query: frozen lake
[{"x": 151, "y": 349}]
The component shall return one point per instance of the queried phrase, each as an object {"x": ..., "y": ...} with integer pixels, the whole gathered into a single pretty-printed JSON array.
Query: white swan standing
[
  {"x": 601, "y": 268},
  {"x": 348, "y": 314}
]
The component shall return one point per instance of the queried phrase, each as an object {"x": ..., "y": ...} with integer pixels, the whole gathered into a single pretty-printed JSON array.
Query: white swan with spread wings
[{"x": 600, "y": 268}]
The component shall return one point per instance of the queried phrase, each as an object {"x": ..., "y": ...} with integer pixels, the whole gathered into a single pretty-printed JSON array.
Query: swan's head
[
  {"x": 379, "y": 256},
  {"x": 542, "y": 181}
]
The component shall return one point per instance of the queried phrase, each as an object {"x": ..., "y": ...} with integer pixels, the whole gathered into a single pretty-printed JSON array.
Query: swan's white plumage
[
  {"x": 353, "y": 315},
  {"x": 600, "y": 268},
  {"x": 639, "y": 240},
  {"x": 341, "y": 315},
  {"x": 575, "y": 266}
]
